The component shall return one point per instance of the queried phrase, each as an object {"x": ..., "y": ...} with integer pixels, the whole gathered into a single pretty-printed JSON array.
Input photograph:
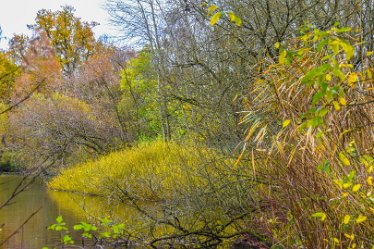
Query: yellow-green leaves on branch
[
  {"x": 215, "y": 18},
  {"x": 321, "y": 215},
  {"x": 235, "y": 19},
  {"x": 211, "y": 9},
  {"x": 361, "y": 218},
  {"x": 344, "y": 159},
  {"x": 352, "y": 79}
]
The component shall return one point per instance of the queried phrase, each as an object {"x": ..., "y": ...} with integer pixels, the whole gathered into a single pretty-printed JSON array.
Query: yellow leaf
[
  {"x": 336, "y": 105},
  {"x": 211, "y": 9},
  {"x": 352, "y": 79},
  {"x": 282, "y": 57},
  {"x": 349, "y": 236},
  {"x": 348, "y": 49},
  {"x": 253, "y": 128},
  {"x": 361, "y": 218},
  {"x": 369, "y": 180},
  {"x": 346, "y": 219},
  {"x": 277, "y": 45},
  {"x": 342, "y": 101},
  {"x": 238, "y": 21},
  {"x": 344, "y": 159},
  {"x": 215, "y": 18},
  {"x": 328, "y": 77},
  {"x": 369, "y": 53},
  {"x": 286, "y": 123},
  {"x": 336, "y": 241},
  {"x": 356, "y": 187},
  {"x": 345, "y": 194},
  {"x": 347, "y": 185},
  {"x": 369, "y": 74},
  {"x": 338, "y": 183},
  {"x": 232, "y": 16}
]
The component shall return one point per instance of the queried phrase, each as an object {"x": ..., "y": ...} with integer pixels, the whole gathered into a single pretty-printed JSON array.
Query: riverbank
[{"x": 180, "y": 190}]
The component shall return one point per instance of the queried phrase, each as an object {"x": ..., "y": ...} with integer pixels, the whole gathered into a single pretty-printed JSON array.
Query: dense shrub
[
  {"x": 58, "y": 130},
  {"x": 181, "y": 193}
]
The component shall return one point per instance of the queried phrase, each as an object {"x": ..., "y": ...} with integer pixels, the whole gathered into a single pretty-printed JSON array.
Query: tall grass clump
[{"x": 311, "y": 126}]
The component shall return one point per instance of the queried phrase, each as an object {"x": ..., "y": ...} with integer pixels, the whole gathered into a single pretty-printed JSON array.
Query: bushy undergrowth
[
  {"x": 311, "y": 122},
  {"x": 148, "y": 170},
  {"x": 181, "y": 193}
]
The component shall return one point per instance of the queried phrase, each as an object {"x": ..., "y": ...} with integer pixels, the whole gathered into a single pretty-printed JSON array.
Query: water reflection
[
  {"x": 33, "y": 234},
  {"x": 74, "y": 208}
]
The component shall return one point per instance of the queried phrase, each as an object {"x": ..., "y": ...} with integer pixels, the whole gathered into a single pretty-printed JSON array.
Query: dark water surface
[{"x": 34, "y": 234}]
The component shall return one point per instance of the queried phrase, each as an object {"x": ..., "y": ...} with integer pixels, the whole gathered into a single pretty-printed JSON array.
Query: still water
[{"x": 34, "y": 234}]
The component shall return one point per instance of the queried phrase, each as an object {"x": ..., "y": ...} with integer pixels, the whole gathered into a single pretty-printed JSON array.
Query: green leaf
[
  {"x": 105, "y": 221},
  {"x": 321, "y": 70},
  {"x": 343, "y": 30},
  {"x": 67, "y": 240},
  {"x": 322, "y": 44},
  {"x": 323, "y": 112},
  {"x": 87, "y": 235},
  {"x": 320, "y": 215},
  {"x": 78, "y": 227},
  {"x": 60, "y": 228},
  {"x": 106, "y": 234},
  {"x": 317, "y": 97},
  {"x": 215, "y": 18},
  {"x": 59, "y": 219}
]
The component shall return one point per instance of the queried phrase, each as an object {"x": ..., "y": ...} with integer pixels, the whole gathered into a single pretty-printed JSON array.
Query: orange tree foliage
[{"x": 38, "y": 65}]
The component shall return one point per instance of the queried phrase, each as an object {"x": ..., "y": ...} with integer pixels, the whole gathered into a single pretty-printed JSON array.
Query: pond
[{"x": 34, "y": 234}]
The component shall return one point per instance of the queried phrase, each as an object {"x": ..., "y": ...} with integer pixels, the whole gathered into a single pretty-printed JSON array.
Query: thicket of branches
[{"x": 282, "y": 80}]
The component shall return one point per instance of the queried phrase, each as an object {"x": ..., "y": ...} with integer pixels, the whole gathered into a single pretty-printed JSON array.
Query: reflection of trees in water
[{"x": 34, "y": 233}]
